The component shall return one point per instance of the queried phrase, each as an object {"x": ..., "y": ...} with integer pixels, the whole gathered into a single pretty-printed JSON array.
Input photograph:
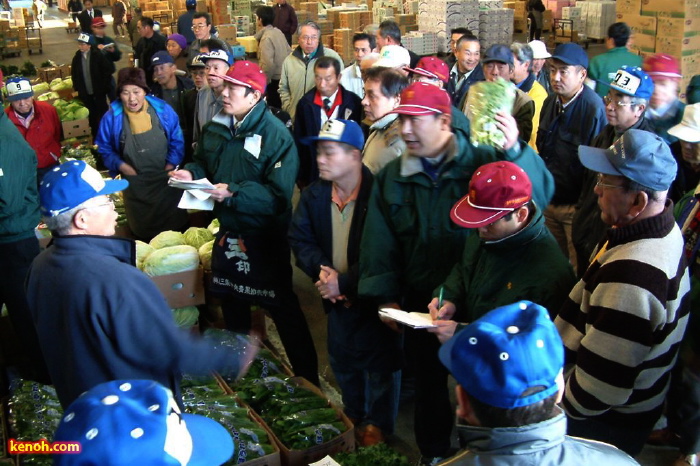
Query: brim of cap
[
  {"x": 205, "y": 59},
  {"x": 685, "y": 133},
  {"x": 568, "y": 61},
  {"x": 113, "y": 186},
  {"x": 211, "y": 442},
  {"x": 231, "y": 80},
  {"x": 311, "y": 140},
  {"x": 498, "y": 60},
  {"x": 596, "y": 159},
  {"x": 23, "y": 95},
  {"x": 466, "y": 215},
  {"x": 542, "y": 57},
  {"x": 414, "y": 110},
  {"x": 662, "y": 74},
  {"x": 427, "y": 74},
  {"x": 388, "y": 63}
]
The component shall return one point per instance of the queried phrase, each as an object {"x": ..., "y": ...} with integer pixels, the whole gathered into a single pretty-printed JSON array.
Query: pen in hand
[{"x": 439, "y": 316}]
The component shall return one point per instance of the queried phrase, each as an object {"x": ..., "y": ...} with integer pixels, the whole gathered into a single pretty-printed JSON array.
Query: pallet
[{"x": 11, "y": 53}]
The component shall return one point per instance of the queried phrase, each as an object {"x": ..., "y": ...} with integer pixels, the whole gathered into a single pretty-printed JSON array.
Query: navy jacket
[
  {"x": 307, "y": 122},
  {"x": 99, "y": 318},
  {"x": 459, "y": 96},
  {"x": 559, "y": 136},
  {"x": 363, "y": 339}
]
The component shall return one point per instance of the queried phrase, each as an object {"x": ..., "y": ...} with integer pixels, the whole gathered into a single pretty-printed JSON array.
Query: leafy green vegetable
[
  {"x": 170, "y": 260},
  {"x": 196, "y": 237},
  {"x": 214, "y": 226},
  {"x": 205, "y": 254},
  {"x": 186, "y": 316},
  {"x": 484, "y": 101},
  {"x": 142, "y": 252},
  {"x": 376, "y": 455},
  {"x": 167, "y": 238}
]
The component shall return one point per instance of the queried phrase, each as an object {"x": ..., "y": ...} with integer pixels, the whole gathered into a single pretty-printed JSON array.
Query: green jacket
[
  {"x": 409, "y": 244},
  {"x": 603, "y": 67},
  {"x": 19, "y": 199},
  {"x": 262, "y": 184},
  {"x": 526, "y": 266}
]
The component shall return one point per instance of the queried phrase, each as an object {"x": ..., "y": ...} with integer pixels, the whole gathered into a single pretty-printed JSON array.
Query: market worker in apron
[
  {"x": 140, "y": 138},
  {"x": 250, "y": 157}
]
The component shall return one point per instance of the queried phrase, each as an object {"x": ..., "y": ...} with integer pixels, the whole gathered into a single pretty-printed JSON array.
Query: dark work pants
[
  {"x": 98, "y": 106},
  {"x": 273, "y": 94},
  {"x": 15, "y": 259},
  {"x": 433, "y": 415},
  {"x": 683, "y": 405},
  {"x": 290, "y": 322}
]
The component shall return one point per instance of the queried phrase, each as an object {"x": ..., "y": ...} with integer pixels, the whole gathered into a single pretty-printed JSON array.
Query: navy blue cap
[
  {"x": 138, "y": 422},
  {"x": 72, "y": 183},
  {"x": 86, "y": 38},
  {"x": 161, "y": 58},
  {"x": 571, "y": 54},
  {"x": 632, "y": 81},
  {"x": 345, "y": 131},
  {"x": 18, "y": 88},
  {"x": 505, "y": 353},
  {"x": 640, "y": 156},
  {"x": 500, "y": 53}
]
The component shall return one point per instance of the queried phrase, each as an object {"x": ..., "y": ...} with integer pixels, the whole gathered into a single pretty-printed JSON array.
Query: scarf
[{"x": 139, "y": 122}]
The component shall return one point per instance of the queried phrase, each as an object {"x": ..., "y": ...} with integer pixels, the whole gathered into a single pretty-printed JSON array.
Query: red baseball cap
[
  {"x": 99, "y": 22},
  {"x": 495, "y": 190},
  {"x": 431, "y": 67},
  {"x": 423, "y": 99},
  {"x": 662, "y": 66},
  {"x": 248, "y": 74}
]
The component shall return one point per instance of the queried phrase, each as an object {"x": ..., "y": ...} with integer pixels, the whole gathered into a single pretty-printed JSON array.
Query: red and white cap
[
  {"x": 662, "y": 66},
  {"x": 431, "y": 67},
  {"x": 423, "y": 99},
  {"x": 246, "y": 73},
  {"x": 496, "y": 189}
]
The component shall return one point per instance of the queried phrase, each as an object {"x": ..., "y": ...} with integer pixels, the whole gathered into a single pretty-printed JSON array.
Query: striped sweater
[{"x": 623, "y": 323}]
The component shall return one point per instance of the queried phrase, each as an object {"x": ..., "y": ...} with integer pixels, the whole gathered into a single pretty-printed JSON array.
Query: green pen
[{"x": 442, "y": 289}]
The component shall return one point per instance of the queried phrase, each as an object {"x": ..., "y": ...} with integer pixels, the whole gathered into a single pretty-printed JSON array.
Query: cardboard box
[
  {"x": 77, "y": 128},
  {"x": 677, "y": 27},
  {"x": 643, "y": 42},
  {"x": 227, "y": 32},
  {"x": 48, "y": 74},
  {"x": 678, "y": 46},
  {"x": 638, "y": 23},
  {"x": 672, "y": 8},
  {"x": 181, "y": 289},
  {"x": 628, "y": 6}
]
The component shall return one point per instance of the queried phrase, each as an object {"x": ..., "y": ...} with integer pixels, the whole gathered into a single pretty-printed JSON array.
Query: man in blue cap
[
  {"x": 92, "y": 78},
  {"x": 325, "y": 236},
  {"x": 508, "y": 366},
  {"x": 138, "y": 422},
  {"x": 625, "y": 106},
  {"x": 168, "y": 85},
  {"x": 97, "y": 316},
  {"x": 624, "y": 320},
  {"x": 570, "y": 117}
]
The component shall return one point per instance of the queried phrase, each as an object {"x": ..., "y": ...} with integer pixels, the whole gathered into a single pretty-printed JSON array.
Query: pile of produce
[
  {"x": 186, "y": 317},
  {"x": 34, "y": 413},
  {"x": 196, "y": 237},
  {"x": 376, "y": 455},
  {"x": 485, "y": 100},
  {"x": 205, "y": 397},
  {"x": 84, "y": 152},
  {"x": 70, "y": 110}
]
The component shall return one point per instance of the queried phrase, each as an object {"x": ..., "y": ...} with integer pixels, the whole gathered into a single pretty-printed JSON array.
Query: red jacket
[{"x": 43, "y": 134}]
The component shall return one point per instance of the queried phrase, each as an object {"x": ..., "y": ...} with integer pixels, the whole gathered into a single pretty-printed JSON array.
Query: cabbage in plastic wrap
[{"x": 484, "y": 100}]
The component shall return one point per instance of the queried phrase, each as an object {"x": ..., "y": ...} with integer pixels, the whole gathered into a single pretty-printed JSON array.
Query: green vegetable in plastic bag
[
  {"x": 376, "y": 455},
  {"x": 309, "y": 436},
  {"x": 196, "y": 237},
  {"x": 167, "y": 238},
  {"x": 170, "y": 260},
  {"x": 484, "y": 100}
]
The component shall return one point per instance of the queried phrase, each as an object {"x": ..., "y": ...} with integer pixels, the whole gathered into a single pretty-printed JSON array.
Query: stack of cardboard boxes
[
  {"x": 441, "y": 16},
  {"x": 598, "y": 16},
  {"x": 495, "y": 23},
  {"x": 665, "y": 26}
]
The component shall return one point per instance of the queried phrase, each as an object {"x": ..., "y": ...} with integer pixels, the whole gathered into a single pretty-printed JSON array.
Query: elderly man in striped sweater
[{"x": 623, "y": 322}]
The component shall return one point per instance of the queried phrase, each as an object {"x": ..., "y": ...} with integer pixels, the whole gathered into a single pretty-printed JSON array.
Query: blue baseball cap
[
  {"x": 217, "y": 54},
  {"x": 505, "y": 353},
  {"x": 161, "y": 58},
  {"x": 72, "y": 183},
  {"x": 18, "y": 88},
  {"x": 138, "y": 422},
  {"x": 640, "y": 156},
  {"x": 500, "y": 53},
  {"x": 571, "y": 54},
  {"x": 632, "y": 81},
  {"x": 85, "y": 38},
  {"x": 345, "y": 131}
]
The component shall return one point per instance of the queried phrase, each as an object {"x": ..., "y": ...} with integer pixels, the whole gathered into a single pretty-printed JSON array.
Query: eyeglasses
[
  {"x": 197, "y": 27},
  {"x": 618, "y": 104},
  {"x": 308, "y": 38},
  {"x": 599, "y": 182},
  {"x": 109, "y": 202}
]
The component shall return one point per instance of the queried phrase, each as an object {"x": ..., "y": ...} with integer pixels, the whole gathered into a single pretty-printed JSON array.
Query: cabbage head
[
  {"x": 81, "y": 113},
  {"x": 40, "y": 88},
  {"x": 197, "y": 236},
  {"x": 186, "y": 316},
  {"x": 142, "y": 251},
  {"x": 205, "y": 254},
  {"x": 167, "y": 238},
  {"x": 171, "y": 259},
  {"x": 214, "y": 226}
]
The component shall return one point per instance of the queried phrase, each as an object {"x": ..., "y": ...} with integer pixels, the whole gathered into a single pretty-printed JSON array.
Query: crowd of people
[{"x": 580, "y": 231}]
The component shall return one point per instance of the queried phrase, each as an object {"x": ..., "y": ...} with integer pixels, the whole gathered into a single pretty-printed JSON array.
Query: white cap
[
  {"x": 539, "y": 50},
  {"x": 393, "y": 56}
]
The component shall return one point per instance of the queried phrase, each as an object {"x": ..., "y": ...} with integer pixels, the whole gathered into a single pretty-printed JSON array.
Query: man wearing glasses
[
  {"x": 298, "y": 68},
  {"x": 97, "y": 316},
  {"x": 201, "y": 26},
  {"x": 623, "y": 321},
  {"x": 625, "y": 106}
]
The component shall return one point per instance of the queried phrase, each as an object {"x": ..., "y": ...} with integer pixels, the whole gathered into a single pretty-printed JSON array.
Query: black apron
[{"x": 150, "y": 204}]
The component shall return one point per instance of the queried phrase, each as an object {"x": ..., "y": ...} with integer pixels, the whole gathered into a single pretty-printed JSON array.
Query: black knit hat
[{"x": 133, "y": 76}]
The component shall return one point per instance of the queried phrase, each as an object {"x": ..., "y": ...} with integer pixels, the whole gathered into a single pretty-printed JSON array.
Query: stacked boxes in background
[
  {"x": 440, "y": 16},
  {"x": 342, "y": 41},
  {"x": 220, "y": 11},
  {"x": 495, "y": 23},
  {"x": 574, "y": 14},
  {"x": 243, "y": 25},
  {"x": 421, "y": 42},
  {"x": 519, "y": 14},
  {"x": 311, "y": 7}
]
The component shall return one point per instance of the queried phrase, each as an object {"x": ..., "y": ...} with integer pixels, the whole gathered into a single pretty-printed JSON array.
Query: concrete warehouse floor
[{"x": 60, "y": 46}]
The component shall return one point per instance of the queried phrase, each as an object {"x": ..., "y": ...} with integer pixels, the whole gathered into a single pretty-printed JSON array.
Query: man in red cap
[
  {"x": 250, "y": 157},
  {"x": 409, "y": 245},
  {"x": 665, "y": 109},
  {"x": 514, "y": 257}
]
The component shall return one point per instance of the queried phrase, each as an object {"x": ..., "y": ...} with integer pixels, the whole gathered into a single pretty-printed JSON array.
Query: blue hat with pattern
[
  {"x": 345, "y": 131},
  {"x": 511, "y": 357},
  {"x": 18, "y": 88},
  {"x": 632, "y": 81},
  {"x": 72, "y": 183},
  {"x": 138, "y": 422}
]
